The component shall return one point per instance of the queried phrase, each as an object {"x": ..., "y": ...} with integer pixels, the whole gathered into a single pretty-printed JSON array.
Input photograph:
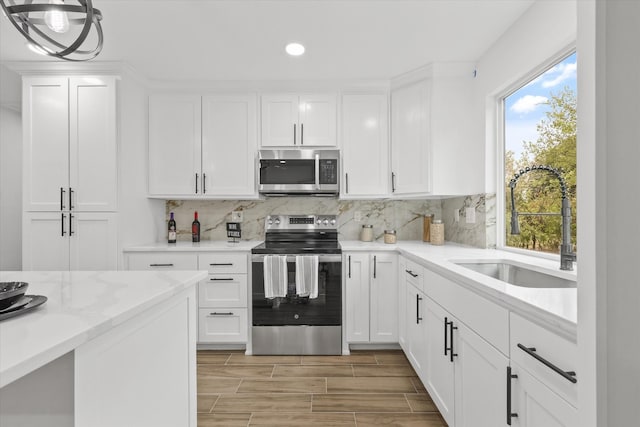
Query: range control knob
[
  {"x": 319, "y": 221},
  {"x": 277, "y": 221},
  {"x": 325, "y": 222},
  {"x": 270, "y": 221},
  {"x": 333, "y": 222}
]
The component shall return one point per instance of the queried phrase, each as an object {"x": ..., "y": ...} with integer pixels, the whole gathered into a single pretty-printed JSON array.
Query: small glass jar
[
  {"x": 366, "y": 234},
  {"x": 437, "y": 232},
  {"x": 390, "y": 236}
]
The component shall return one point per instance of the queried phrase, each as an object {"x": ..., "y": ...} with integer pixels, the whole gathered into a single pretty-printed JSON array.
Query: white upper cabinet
[
  {"x": 410, "y": 141},
  {"x": 229, "y": 144},
  {"x": 202, "y": 146},
  {"x": 298, "y": 119},
  {"x": 70, "y": 154},
  {"x": 365, "y": 146},
  {"x": 174, "y": 145}
]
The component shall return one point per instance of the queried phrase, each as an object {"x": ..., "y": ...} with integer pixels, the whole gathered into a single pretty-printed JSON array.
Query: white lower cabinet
[
  {"x": 69, "y": 241},
  {"x": 223, "y": 316},
  {"x": 371, "y": 297},
  {"x": 533, "y": 404}
]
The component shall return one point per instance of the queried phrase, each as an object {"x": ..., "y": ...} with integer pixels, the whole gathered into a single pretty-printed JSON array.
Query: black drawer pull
[
  {"x": 220, "y": 264},
  {"x": 411, "y": 273},
  {"x": 531, "y": 351},
  {"x": 418, "y": 318},
  {"x": 160, "y": 265},
  {"x": 221, "y": 279},
  {"x": 215, "y": 313},
  {"x": 510, "y": 414}
]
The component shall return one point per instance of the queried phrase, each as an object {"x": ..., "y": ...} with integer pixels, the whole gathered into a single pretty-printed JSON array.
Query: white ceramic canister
[
  {"x": 390, "y": 236},
  {"x": 366, "y": 234}
]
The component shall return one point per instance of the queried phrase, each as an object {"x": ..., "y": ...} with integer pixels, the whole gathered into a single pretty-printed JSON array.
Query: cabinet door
[
  {"x": 410, "y": 145},
  {"x": 317, "y": 120},
  {"x": 279, "y": 120},
  {"x": 93, "y": 241},
  {"x": 223, "y": 291},
  {"x": 357, "y": 297},
  {"x": 229, "y": 143},
  {"x": 46, "y": 143},
  {"x": 480, "y": 389},
  {"x": 92, "y": 144},
  {"x": 438, "y": 367},
  {"x": 45, "y": 241},
  {"x": 175, "y": 145},
  {"x": 222, "y": 325},
  {"x": 384, "y": 298},
  {"x": 538, "y": 406},
  {"x": 402, "y": 304},
  {"x": 416, "y": 330},
  {"x": 365, "y": 147}
]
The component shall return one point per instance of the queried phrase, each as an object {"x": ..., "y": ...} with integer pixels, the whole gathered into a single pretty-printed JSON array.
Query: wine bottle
[
  {"x": 195, "y": 228},
  {"x": 172, "y": 229}
]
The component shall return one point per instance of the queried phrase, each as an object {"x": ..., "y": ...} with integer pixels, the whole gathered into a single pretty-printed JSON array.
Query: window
[{"x": 540, "y": 129}]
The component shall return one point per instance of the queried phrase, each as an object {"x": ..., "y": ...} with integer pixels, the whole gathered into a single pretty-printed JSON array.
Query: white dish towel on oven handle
[
  {"x": 275, "y": 276},
  {"x": 307, "y": 276}
]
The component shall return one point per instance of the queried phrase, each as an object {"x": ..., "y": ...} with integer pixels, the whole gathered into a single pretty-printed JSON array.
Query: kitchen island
[{"x": 107, "y": 348}]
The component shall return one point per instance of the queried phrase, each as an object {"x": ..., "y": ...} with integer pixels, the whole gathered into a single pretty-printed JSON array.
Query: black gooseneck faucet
[{"x": 567, "y": 256}]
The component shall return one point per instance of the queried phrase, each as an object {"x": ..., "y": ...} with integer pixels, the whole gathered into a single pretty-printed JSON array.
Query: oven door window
[
  {"x": 278, "y": 172},
  {"x": 326, "y": 310}
]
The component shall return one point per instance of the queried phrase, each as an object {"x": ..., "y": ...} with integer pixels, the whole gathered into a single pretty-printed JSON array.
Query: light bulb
[{"x": 57, "y": 20}]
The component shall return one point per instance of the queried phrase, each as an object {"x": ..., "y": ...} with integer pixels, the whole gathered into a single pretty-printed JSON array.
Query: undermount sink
[{"x": 517, "y": 275}]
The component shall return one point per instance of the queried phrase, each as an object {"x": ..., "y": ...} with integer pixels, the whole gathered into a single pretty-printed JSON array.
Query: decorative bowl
[{"x": 10, "y": 292}]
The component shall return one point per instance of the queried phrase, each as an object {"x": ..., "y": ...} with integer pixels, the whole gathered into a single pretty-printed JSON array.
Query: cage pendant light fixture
[{"x": 64, "y": 29}]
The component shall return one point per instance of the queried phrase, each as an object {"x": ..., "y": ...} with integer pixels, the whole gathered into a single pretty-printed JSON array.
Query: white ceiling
[{"x": 244, "y": 39}]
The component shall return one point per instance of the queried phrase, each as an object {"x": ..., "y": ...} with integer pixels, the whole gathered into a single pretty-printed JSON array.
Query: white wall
[
  {"x": 608, "y": 156},
  {"x": 140, "y": 220},
  {"x": 545, "y": 30},
  {"x": 10, "y": 171}
]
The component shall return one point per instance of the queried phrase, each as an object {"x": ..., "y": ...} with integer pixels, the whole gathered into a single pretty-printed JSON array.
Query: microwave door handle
[{"x": 317, "y": 171}]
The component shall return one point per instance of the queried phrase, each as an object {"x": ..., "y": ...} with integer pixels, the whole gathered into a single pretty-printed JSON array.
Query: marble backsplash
[
  {"x": 405, "y": 216},
  {"x": 482, "y": 232}
]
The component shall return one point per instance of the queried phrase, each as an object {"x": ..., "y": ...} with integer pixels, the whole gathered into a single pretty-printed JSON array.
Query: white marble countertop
[
  {"x": 553, "y": 308},
  {"x": 80, "y": 307},
  {"x": 205, "y": 245}
]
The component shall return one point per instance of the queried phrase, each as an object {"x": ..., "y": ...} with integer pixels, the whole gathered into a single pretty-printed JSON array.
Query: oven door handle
[{"x": 292, "y": 257}]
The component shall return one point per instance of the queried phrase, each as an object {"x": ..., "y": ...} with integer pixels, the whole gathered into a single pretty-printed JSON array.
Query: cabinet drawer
[
  {"x": 162, "y": 261},
  {"x": 222, "y": 325},
  {"x": 231, "y": 263},
  {"x": 551, "y": 348},
  {"x": 487, "y": 319},
  {"x": 414, "y": 274},
  {"x": 223, "y": 291}
]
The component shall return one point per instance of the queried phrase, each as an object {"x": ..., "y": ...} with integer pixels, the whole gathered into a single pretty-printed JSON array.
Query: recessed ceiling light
[{"x": 294, "y": 49}]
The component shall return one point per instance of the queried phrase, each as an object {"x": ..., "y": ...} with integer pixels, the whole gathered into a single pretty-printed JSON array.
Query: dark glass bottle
[
  {"x": 172, "y": 229},
  {"x": 195, "y": 229}
]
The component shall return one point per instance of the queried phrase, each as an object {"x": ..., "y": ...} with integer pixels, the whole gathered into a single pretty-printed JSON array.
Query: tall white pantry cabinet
[{"x": 69, "y": 173}]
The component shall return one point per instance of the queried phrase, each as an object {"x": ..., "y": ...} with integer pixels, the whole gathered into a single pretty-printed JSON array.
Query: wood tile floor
[{"x": 367, "y": 388}]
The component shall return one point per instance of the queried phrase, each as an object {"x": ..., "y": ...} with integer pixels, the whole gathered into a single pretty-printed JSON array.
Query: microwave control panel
[{"x": 328, "y": 171}]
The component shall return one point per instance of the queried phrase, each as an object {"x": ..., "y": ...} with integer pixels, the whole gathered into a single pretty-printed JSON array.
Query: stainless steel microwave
[{"x": 312, "y": 172}]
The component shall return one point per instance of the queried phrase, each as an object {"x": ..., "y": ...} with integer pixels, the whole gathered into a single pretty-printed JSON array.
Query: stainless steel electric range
[{"x": 295, "y": 324}]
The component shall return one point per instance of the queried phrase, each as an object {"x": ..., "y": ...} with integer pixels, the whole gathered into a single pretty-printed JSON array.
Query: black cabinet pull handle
[
  {"x": 346, "y": 183},
  {"x": 160, "y": 265},
  {"x": 220, "y": 264},
  {"x": 222, "y": 279},
  {"x": 531, "y": 351},
  {"x": 294, "y": 134},
  {"x": 446, "y": 326},
  {"x": 71, "y": 225},
  {"x": 411, "y": 273},
  {"x": 302, "y": 134},
  {"x": 62, "y": 218},
  {"x": 393, "y": 182},
  {"x": 509, "y": 413},
  {"x": 62, "y": 198},
  {"x": 418, "y": 318},
  {"x": 375, "y": 266},
  {"x": 70, "y": 198},
  {"x": 451, "y": 353},
  {"x": 196, "y": 183},
  {"x": 215, "y": 313},
  {"x": 204, "y": 183},
  {"x": 349, "y": 266}
]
